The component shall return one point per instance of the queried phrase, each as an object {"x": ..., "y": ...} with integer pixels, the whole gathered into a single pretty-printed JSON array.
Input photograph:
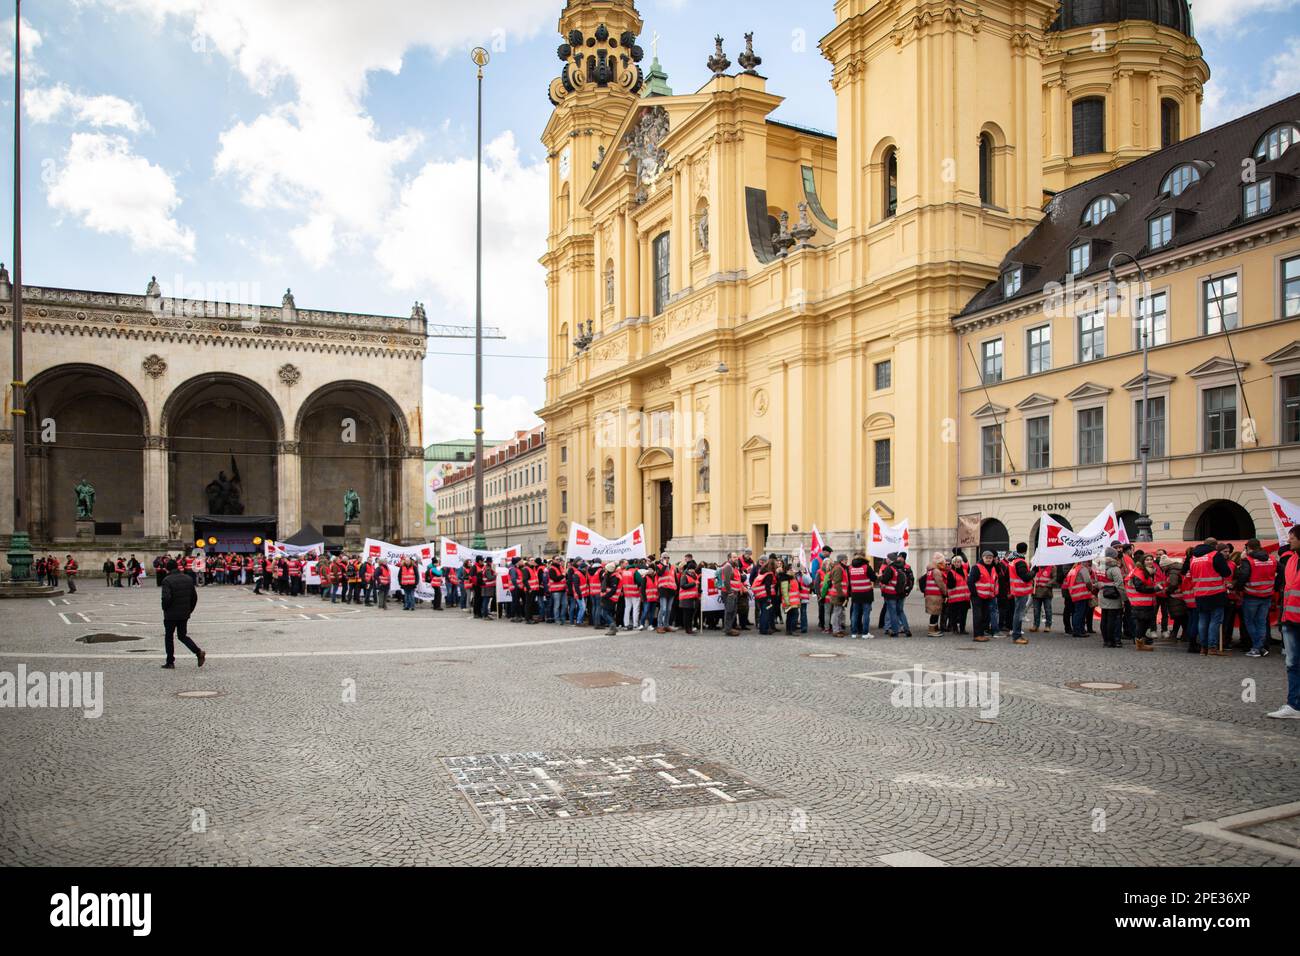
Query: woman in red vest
[
  {"x": 688, "y": 595},
  {"x": 957, "y": 604}
]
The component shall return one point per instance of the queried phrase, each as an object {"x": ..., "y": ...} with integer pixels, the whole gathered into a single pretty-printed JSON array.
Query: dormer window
[
  {"x": 1080, "y": 258},
  {"x": 1256, "y": 198},
  {"x": 1181, "y": 178},
  {"x": 1011, "y": 282},
  {"x": 1098, "y": 210},
  {"x": 1277, "y": 141},
  {"x": 1160, "y": 231}
]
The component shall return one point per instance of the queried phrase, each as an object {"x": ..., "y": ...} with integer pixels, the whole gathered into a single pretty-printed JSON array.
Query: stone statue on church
[
  {"x": 225, "y": 495},
  {"x": 351, "y": 506},
  {"x": 85, "y": 500}
]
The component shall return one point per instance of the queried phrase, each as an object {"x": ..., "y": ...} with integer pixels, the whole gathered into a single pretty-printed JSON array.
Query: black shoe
[
  {"x": 169, "y": 666},
  {"x": 203, "y": 656}
]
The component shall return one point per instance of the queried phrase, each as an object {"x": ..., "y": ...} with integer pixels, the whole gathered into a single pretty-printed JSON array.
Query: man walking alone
[{"x": 179, "y": 596}]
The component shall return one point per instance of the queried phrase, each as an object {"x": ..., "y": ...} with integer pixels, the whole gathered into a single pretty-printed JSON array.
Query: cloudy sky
[{"x": 328, "y": 146}]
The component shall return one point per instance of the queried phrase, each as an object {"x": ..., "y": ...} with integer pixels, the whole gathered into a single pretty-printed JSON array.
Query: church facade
[
  {"x": 751, "y": 323},
  {"x": 177, "y": 410}
]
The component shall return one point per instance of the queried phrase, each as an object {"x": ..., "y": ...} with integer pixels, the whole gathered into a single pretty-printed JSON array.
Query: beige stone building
[
  {"x": 514, "y": 495},
  {"x": 1050, "y": 396},
  {"x": 151, "y": 399},
  {"x": 751, "y": 323}
]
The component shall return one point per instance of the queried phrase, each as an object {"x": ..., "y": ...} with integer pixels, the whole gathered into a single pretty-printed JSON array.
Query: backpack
[{"x": 906, "y": 581}]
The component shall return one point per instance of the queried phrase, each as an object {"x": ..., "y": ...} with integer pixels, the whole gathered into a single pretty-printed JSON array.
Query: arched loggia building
[{"x": 149, "y": 398}]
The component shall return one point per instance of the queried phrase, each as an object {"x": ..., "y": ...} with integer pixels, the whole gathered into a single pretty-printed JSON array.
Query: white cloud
[
  {"x": 52, "y": 103},
  {"x": 1213, "y": 15},
  {"x": 1230, "y": 94},
  {"x": 449, "y": 416},
  {"x": 321, "y": 155},
  {"x": 31, "y": 40},
  {"x": 111, "y": 190},
  {"x": 429, "y": 239}
]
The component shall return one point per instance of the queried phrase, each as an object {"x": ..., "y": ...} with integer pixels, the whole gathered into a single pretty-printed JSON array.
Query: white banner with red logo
[
  {"x": 818, "y": 542},
  {"x": 311, "y": 572},
  {"x": 278, "y": 549},
  {"x": 392, "y": 555},
  {"x": 504, "y": 593},
  {"x": 1057, "y": 544},
  {"x": 883, "y": 539},
  {"x": 710, "y": 593},
  {"x": 585, "y": 543},
  {"x": 1285, "y": 515},
  {"x": 455, "y": 554}
]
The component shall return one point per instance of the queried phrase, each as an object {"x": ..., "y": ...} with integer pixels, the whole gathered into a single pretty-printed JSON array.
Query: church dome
[{"x": 1085, "y": 13}]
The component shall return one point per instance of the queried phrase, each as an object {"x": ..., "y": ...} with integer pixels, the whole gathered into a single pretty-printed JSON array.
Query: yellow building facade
[
  {"x": 751, "y": 324},
  {"x": 1051, "y": 404}
]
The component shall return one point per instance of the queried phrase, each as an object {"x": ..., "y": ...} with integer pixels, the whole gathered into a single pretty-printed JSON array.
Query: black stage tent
[{"x": 234, "y": 532}]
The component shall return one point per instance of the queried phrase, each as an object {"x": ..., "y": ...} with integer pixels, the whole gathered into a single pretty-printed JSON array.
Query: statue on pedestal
[
  {"x": 225, "y": 494},
  {"x": 351, "y": 506},
  {"x": 85, "y": 500}
]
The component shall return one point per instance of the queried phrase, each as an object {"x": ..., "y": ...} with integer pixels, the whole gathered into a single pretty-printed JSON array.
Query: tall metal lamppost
[
  {"x": 480, "y": 58},
  {"x": 1144, "y": 440},
  {"x": 20, "y": 554}
]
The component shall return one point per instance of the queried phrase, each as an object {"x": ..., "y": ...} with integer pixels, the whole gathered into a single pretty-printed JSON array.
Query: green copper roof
[{"x": 656, "y": 81}]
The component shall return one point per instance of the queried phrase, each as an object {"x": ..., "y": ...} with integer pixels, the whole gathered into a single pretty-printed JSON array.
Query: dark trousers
[
  {"x": 179, "y": 628},
  {"x": 956, "y": 611},
  {"x": 986, "y": 610},
  {"x": 1112, "y": 625}
]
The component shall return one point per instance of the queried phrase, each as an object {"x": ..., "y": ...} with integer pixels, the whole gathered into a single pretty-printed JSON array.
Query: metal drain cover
[
  {"x": 106, "y": 638},
  {"x": 200, "y": 694},
  {"x": 1100, "y": 685}
]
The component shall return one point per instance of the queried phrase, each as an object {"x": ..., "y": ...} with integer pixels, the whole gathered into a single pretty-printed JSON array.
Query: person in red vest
[
  {"x": 1255, "y": 577},
  {"x": 767, "y": 595},
  {"x": 70, "y": 569},
  {"x": 862, "y": 594},
  {"x": 295, "y": 576},
  {"x": 368, "y": 581},
  {"x": 957, "y": 603},
  {"x": 789, "y": 583},
  {"x": 384, "y": 581},
  {"x": 1140, "y": 589},
  {"x": 666, "y": 574},
  {"x": 1288, "y": 582},
  {"x": 1044, "y": 581},
  {"x": 611, "y": 590},
  {"x": 630, "y": 591},
  {"x": 688, "y": 595},
  {"x": 983, "y": 583},
  {"x": 1209, "y": 572},
  {"x": 407, "y": 575},
  {"x": 934, "y": 589},
  {"x": 1020, "y": 584}
]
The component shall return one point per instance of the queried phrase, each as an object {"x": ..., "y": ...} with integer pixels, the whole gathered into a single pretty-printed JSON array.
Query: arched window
[
  {"x": 1170, "y": 130},
  {"x": 890, "y": 197},
  {"x": 1098, "y": 209},
  {"x": 1180, "y": 179},
  {"x": 1277, "y": 141},
  {"x": 986, "y": 169},
  {"x": 659, "y": 256},
  {"x": 1089, "y": 126},
  {"x": 563, "y": 209}
]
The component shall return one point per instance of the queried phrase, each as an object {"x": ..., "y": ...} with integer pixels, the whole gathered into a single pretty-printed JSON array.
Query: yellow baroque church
[{"x": 751, "y": 323}]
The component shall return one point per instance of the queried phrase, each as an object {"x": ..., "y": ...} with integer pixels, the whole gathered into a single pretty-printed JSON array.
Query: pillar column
[
  {"x": 288, "y": 479},
  {"x": 157, "y": 497},
  {"x": 409, "y": 507}
]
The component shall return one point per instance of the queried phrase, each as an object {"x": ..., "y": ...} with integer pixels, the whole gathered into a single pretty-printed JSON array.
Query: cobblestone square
[{"x": 356, "y": 736}]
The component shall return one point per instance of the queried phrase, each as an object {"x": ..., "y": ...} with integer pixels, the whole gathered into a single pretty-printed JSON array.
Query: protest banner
[
  {"x": 587, "y": 544},
  {"x": 1057, "y": 544},
  {"x": 883, "y": 539}
]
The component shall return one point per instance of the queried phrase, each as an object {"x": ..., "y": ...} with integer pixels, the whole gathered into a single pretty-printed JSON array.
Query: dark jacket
[{"x": 179, "y": 596}]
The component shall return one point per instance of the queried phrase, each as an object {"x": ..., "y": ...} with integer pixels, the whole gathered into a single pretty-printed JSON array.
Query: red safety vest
[
  {"x": 986, "y": 581},
  {"x": 1043, "y": 577},
  {"x": 1206, "y": 582},
  {"x": 1291, "y": 591},
  {"x": 737, "y": 579},
  {"x": 859, "y": 579},
  {"x": 794, "y": 595},
  {"x": 628, "y": 580},
  {"x": 959, "y": 593},
  {"x": 295, "y": 568},
  {"x": 1262, "y": 576},
  {"x": 1078, "y": 590},
  {"x": 690, "y": 589},
  {"x": 760, "y": 586},
  {"x": 1137, "y": 598},
  {"x": 406, "y": 576},
  {"x": 71, "y": 567},
  {"x": 668, "y": 579},
  {"x": 554, "y": 585},
  {"x": 384, "y": 575},
  {"x": 931, "y": 583},
  {"x": 1019, "y": 588},
  {"x": 651, "y": 587}
]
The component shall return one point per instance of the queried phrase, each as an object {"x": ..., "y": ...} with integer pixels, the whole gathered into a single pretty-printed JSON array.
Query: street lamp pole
[
  {"x": 20, "y": 555},
  {"x": 1144, "y": 440},
  {"x": 480, "y": 58}
]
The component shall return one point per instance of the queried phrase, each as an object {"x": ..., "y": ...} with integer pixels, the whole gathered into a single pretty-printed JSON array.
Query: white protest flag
[
  {"x": 710, "y": 593},
  {"x": 504, "y": 593},
  {"x": 1057, "y": 544},
  {"x": 586, "y": 544},
  {"x": 311, "y": 573},
  {"x": 882, "y": 539},
  {"x": 278, "y": 549},
  {"x": 454, "y": 554},
  {"x": 818, "y": 542},
  {"x": 1285, "y": 515}
]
